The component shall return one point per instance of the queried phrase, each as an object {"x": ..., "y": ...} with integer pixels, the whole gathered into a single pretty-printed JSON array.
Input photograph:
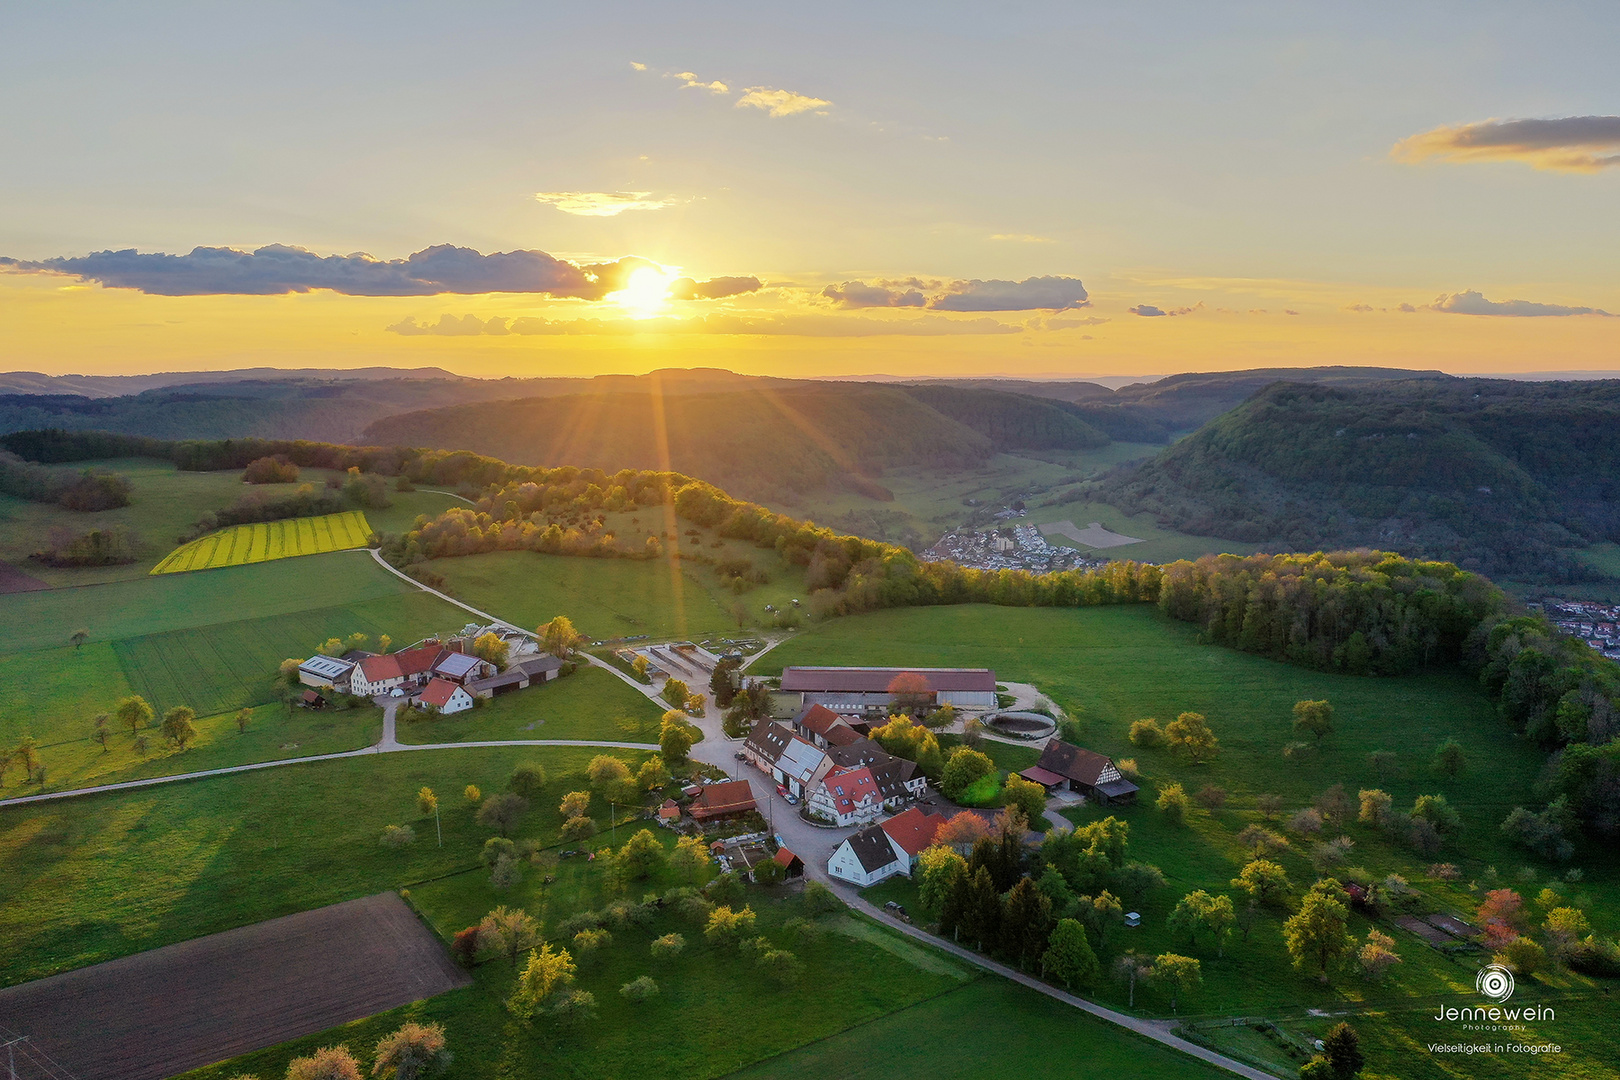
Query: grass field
[
  {"x": 164, "y": 504},
  {"x": 102, "y": 876},
  {"x": 211, "y": 641},
  {"x": 266, "y": 541},
  {"x": 605, "y": 598},
  {"x": 988, "y": 1028},
  {"x": 589, "y": 704},
  {"x": 1159, "y": 544}
]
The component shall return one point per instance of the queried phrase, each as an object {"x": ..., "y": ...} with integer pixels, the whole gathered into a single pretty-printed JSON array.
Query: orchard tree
[
  {"x": 134, "y": 713},
  {"x": 472, "y": 795},
  {"x": 1264, "y": 882},
  {"x": 1130, "y": 967},
  {"x": 1449, "y": 760},
  {"x": 962, "y": 771},
  {"x": 508, "y": 932},
  {"x": 1316, "y": 935},
  {"x": 327, "y": 1063},
  {"x": 728, "y": 927},
  {"x": 574, "y": 804},
  {"x": 1190, "y": 732},
  {"x": 548, "y": 973},
  {"x": 689, "y": 858},
  {"x": 527, "y": 780},
  {"x": 676, "y": 735},
  {"x": 427, "y": 803},
  {"x": 1176, "y": 975},
  {"x": 1174, "y": 804},
  {"x": 413, "y": 1052},
  {"x": 79, "y": 637},
  {"x": 606, "y": 769},
  {"x": 242, "y": 718},
  {"x": 653, "y": 774},
  {"x": 502, "y": 812},
  {"x": 99, "y": 731},
  {"x": 1313, "y": 718},
  {"x": 179, "y": 725}
]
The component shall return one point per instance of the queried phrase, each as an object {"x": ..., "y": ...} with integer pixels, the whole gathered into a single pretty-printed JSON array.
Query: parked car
[
  {"x": 740, "y": 756},
  {"x": 791, "y": 799}
]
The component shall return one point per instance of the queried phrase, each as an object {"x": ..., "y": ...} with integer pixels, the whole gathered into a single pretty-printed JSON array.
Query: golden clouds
[{"x": 1565, "y": 144}]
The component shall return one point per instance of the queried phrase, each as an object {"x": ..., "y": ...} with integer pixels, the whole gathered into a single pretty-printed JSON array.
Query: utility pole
[{"x": 11, "y": 1053}]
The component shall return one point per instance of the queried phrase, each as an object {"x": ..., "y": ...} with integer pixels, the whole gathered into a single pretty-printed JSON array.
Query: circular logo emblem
[{"x": 1495, "y": 982}]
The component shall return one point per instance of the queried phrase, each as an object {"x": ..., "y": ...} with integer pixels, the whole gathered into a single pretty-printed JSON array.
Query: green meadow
[
  {"x": 210, "y": 640},
  {"x": 589, "y": 704},
  {"x": 102, "y": 876}
]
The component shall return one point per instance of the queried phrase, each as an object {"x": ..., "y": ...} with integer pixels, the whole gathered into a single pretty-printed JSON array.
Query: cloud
[
  {"x": 1363, "y": 308},
  {"x": 601, "y": 203},
  {"x": 1065, "y": 324},
  {"x": 1031, "y": 294},
  {"x": 1150, "y": 311},
  {"x": 279, "y": 269},
  {"x": 1023, "y": 238},
  {"x": 1564, "y": 144},
  {"x": 714, "y": 289},
  {"x": 637, "y": 67},
  {"x": 690, "y": 81},
  {"x": 772, "y": 326},
  {"x": 858, "y": 294},
  {"x": 781, "y": 102},
  {"x": 1472, "y": 303}
]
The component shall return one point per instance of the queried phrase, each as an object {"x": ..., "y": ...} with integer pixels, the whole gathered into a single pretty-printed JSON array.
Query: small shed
[
  {"x": 312, "y": 699},
  {"x": 790, "y": 863},
  {"x": 669, "y": 811}
]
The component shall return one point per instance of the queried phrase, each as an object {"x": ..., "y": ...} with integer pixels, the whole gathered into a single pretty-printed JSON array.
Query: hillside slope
[{"x": 1496, "y": 475}]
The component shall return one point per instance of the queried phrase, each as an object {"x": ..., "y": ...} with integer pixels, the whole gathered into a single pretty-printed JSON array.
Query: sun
[{"x": 645, "y": 292}]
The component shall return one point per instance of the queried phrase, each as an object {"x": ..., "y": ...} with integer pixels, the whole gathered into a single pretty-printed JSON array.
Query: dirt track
[{"x": 162, "y": 1012}]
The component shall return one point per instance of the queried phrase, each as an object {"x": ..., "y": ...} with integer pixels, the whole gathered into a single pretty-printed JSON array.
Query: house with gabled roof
[
  {"x": 1066, "y": 766},
  {"x": 824, "y": 727},
  {"x": 794, "y": 762},
  {"x": 727, "y": 799},
  {"x": 865, "y": 858},
  {"x": 847, "y": 797},
  {"x": 444, "y": 696},
  {"x": 866, "y": 689},
  {"x": 911, "y": 832}
]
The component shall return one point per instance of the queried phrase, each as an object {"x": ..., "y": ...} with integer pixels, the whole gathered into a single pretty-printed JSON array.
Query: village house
[
  {"x": 373, "y": 675},
  {"x": 518, "y": 676},
  {"x": 846, "y": 797},
  {"x": 859, "y": 690},
  {"x": 793, "y": 762},
  {"x": 1064, "y": 765},
  {"x": 865, "y": 858},
  {"x": 444, "y": 696},
  {"x": 883, "y": 850},
  {"x": 805, "y": 770}
]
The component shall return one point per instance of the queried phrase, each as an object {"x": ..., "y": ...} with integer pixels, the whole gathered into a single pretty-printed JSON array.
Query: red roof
[
  {"x": 381, "y": 668},
  {"x": 877, "y": 680},
  {"x": 785, "y": 858},
  {"x": 913, "y": 830},
  {"x": 1044, "y": 777},
  {"x": 416, "y": 661},
  {"x": 727, "y": 797},
  {"x": 850, "y": 786},
  {"x": 438, "y": 693},
  {"x": 819, "y": 719},
  {"x": 669, "y": 810},
  {"x": 843, "y": 735}
]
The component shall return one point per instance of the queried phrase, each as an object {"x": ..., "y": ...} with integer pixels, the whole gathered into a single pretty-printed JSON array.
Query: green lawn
[
  {"x": 163, "y": 504},
  {"x": 1159, "y": 544},
  {"x": 988, "y": 1028},
  {"x": 102, "y": 876},
  {"x": 589, "y": 704},
  {"x": 211, "y": 640}
]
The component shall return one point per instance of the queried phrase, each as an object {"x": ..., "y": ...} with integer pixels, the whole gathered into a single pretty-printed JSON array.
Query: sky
[{"x": 1049, "y": 190}]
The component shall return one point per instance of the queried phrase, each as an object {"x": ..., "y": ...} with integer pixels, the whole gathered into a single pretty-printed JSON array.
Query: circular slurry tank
[{"x": 1022, "y": 725}]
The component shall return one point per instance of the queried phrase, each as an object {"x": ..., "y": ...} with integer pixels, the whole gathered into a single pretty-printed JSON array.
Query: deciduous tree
[
  {"x": 547, "y": 973},
  {"x": 1190, "y": 732},
  {"x": 527, "y": 780},
  {"x": 1378, "y": 955},
  {"x": 1263, "y": 882},
  {"x": 962, "y": 771},
  {"x": 559, "y": 638},
  {"x": 1316, "y": 935},
  {"x": 606, "y": 769},
  {"x": 179, "y": 725},
  {"x": 1069, "y": 957},
  {"x": 327, "y": 1063},
  {"x": 1176, "y": 975},
  {"x": 938, "y": 869},
  {"x": 1313, "y": 718},
  {"x": 242, "y": 718},
  {"x": 676, "y": 736},
  {"x": 134, "y": 713},
  {"x": 502, "y": 812},
  {"x": 427, "y": 803},
  {"x": 413, "y": 1052},
  {"x": 728, "y": 927},
  {"x": 1174, "y": 804},
  {"x": 509, "y": 932},
  {"x": 1130, "y": 967}
]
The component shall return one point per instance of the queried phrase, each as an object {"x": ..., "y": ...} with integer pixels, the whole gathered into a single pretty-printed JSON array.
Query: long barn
[{"x": 866, "y": 689}]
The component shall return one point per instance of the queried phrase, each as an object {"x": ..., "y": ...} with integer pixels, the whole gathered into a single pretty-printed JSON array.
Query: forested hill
[
  {"x": 1496, "y": 475},
  {"x": 1153, "y": 411},
  {"x": 761, "y": 441}
]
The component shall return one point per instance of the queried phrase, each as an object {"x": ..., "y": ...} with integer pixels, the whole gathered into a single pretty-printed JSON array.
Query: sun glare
[{"x": 645, "y": 293}]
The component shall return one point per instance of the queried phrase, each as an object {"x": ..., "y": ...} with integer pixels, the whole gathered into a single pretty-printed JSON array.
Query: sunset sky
[{"x": 830, "y": 189}]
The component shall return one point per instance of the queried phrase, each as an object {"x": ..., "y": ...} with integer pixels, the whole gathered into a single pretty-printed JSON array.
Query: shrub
[
  {"x": 639, "y": 990},
  {"x": 820, "y": 900},
  {"x": 271, "y": 470},
  {"x": 587, "y": 941},
  {"x": 465, "y": 946},
  {"x": 1211, "y": 797},
  {"x": 668, "y": 946},
  {"x": 578, "y": 828},
  {"x": 1174, "y": 803},
  {"x": 1522, "y": 956},
  {"x": 1147, "y": 734},
  {"x": 1127, "y": 768},
  {"x": 398, "y": 836},
  {"x": 578, "y": 921},
  {"x": 1306, "y": 822}
]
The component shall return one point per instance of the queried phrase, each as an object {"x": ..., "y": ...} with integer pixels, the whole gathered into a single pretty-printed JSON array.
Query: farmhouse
[
  {"x": 518, "y": 676},
  {"x": 373, "y": 675},
  {"x": 863, "y": 689},
  {"x": 325, "y": 672},
  {"x": 1063, "y": 765},
  {"x": 444, "y": 696},
  {"x": 728, "y": 799},
  {"x": 847, "y": 797}
]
